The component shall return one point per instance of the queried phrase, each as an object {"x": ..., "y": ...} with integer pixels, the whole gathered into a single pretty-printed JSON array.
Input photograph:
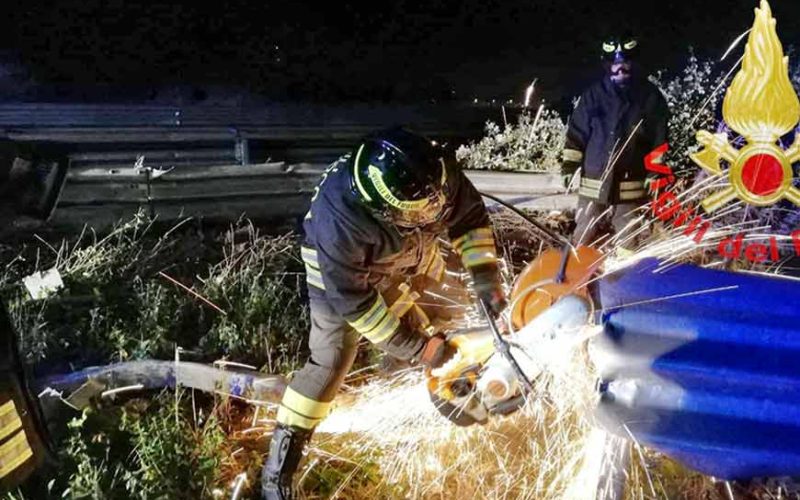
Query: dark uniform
[
  {"x": 609, "y": 134},
  {"x": 348, "y": 253}
]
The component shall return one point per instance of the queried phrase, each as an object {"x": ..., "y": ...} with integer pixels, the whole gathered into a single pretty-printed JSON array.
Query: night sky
[{"x": 366, "y": 51}]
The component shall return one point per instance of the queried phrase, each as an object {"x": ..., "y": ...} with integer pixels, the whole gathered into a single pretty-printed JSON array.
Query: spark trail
[{"x": 392, "y": 427}]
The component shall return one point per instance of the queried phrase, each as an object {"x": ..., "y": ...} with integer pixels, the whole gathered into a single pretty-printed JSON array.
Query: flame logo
[
  {"x": 761, "y": 103},
  {"x": 762, "y": 106}
]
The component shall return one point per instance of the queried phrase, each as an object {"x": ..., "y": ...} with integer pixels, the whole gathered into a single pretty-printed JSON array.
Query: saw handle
[{"x": 502, "y": 346}]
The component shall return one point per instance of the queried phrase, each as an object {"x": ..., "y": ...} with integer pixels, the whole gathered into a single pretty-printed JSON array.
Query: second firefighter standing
[{"x": 616, "y": 123}]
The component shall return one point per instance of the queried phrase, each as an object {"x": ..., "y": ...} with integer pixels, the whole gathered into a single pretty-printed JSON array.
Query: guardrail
[
  {"x": 223, "y": 161},
  {"x": 99, "y": 196}
]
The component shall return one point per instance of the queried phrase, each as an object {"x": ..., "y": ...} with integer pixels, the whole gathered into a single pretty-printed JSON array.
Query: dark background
[{"x": 351, "y": 51}]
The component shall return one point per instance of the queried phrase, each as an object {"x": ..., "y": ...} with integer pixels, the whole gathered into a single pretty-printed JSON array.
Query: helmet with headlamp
[
  {"x": 619, "y": 48},
  {"x": 401, "y": 177}
]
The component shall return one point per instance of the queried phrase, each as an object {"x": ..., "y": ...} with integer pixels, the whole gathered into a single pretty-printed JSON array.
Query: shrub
[
  {"x": 260, "y": 284},
  {"x": 533, "y": 144},
  {"x": 693, "y": 96},
  {"x": 145, "y": 449}
]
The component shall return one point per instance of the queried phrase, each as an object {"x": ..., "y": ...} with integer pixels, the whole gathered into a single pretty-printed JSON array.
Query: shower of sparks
[
  {"x": 716, "y": 90},
  {"x": 529, "y": 92},
  {"x": 385, "y": 438},
  {"x": 224, "y": 364},
  {"x": 119, "y": 390},
  {"x": 391, "y": 442},
  {"x": 240, "y": 481},
  {"x": 539, "y": 452},
  {"x": 735, "y": 44},
  {"x": 390, "y": 426},
  {"x": 546, "y": 450},
  {"x": 613, "y": 159},
  {"x": 535, "y": 124}
]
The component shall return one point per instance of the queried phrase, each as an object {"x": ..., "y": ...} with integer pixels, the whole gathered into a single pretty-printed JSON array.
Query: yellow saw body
[{"x": 466, "y": 384}]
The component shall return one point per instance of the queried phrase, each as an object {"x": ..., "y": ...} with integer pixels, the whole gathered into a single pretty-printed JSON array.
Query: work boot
[{"x": 285, "y": 452}]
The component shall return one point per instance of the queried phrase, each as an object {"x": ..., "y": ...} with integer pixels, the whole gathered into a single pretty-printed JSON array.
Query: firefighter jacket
[
  {"x": 609, "y": 134},
  {"x": 347, "y": 251}
]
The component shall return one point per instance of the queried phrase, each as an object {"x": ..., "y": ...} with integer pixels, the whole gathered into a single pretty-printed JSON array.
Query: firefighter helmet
[{"x": 401, "y": 177}]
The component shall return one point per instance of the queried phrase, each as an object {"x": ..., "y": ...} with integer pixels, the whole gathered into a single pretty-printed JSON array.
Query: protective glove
[
  {"x": 488, "y": 288},
  {"x": 494, "y": 297},
  {"x": 437, "y": 351}
]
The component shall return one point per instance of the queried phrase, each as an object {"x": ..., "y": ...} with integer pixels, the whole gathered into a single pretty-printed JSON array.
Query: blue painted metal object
[
  {"x": 155, "y": 374},
  {"x": 704, "y": 366}
]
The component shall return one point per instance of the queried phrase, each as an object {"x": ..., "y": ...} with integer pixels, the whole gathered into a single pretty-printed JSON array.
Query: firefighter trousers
[
  {"x": 592, "y": 220},
  {"x": 334, "y": 345}
]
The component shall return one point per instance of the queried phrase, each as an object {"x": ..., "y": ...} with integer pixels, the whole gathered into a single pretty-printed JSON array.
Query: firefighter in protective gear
[
  {"x": 616, "y": 123},
  {"x": 377, "y": 214}
]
